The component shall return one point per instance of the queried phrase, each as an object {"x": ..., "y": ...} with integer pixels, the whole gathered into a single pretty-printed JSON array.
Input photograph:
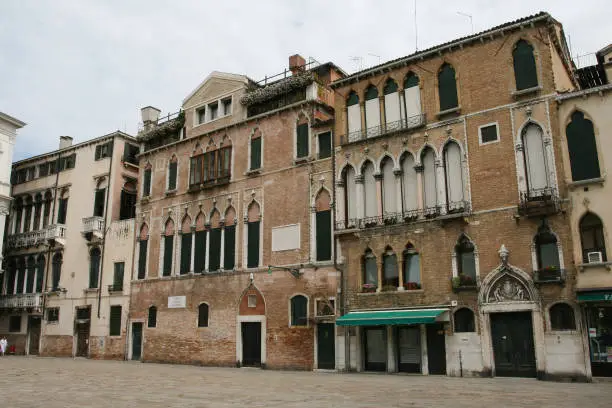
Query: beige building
[
  {"x": 68, "y": 249},
  {"x": 585, "y": 123}
]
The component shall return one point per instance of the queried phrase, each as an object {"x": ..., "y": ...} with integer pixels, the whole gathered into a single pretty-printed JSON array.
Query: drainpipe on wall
[
  {"x": 106, "y": 211},
  {"x": 136, "y": 240}
]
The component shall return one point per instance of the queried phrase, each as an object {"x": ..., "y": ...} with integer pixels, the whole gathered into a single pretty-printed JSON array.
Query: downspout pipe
[{"x": 106, "y": 228}]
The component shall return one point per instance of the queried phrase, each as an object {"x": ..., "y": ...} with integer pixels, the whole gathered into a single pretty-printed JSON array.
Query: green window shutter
[
  {"x": 185, "y": 253},
  {"x": 411, "y": 81},
  {"x": 115, "y": 321},
  {"x": 229, "y": 247},
  {"x": 371, "y": 93},
  {"x": 255, "y": 153},
  {"x": 325, "y": 146},
  {"x": 525, "y": 72},
  {"x": 253, "y": 244},
  {"x": 40, "y": 273},
  {"x": 214, "y": 258},
  {"x": 152, "y": 320},
  {"x": 168, "y": 249},
  {"x": 94, "y": 268},
  {"x": 324, "y": 236},
  {"x": 199, "y": 262},
  {"x": 62, "y": 211},
  {"x": 203, "y": 315},
  {"x": 390, "y": 87},
  {"x": 127, "y": 208},
  {"x": 302, "y": 140},
  {"x": 142, "y": 259},
  {"x": 118, "y": 275},
  {"x": 146, "y": 189},
  {"x": 172, "y": 175},
  {"x": 299, "y": 312},
  {"x": 353, "y": 99},
  {"x": 582, "y": 148},
  {"x": 99, "y": 202},
  {"x": 447, "y": 88}
]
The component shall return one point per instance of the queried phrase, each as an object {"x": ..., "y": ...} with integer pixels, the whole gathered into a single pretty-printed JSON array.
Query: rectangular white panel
[
  {"x": 354, "y": 118},
  {"x": 177, "y": 302},
  {"x": 392, "y": 107},
  {"x": 286, "y": 237},
  {"x": 372, "y": 116}
]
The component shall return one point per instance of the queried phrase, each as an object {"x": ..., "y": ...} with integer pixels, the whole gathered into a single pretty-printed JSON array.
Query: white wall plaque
[
  {"x": 176, "y": 302},
  {"x": 286, "y": 237}
]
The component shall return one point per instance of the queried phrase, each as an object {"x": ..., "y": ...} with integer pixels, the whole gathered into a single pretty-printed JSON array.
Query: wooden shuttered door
[
  {"x": 229, "y": 247},
  {"x": 325, "y": 145},
  {"x": 146, "y": 188},
  {"x": 253, "y": 244},
  {"x": 142, "y": 259},
  {"x": 99, "y": 202},
  {"x": 255, "y": 153},
  {"x": 118, "y": 275},
  {"x": 582, "y": 148},
  {"x": 115, "y": 321},
  {"x": 172, "y": 176},
  {"x": 302, "y": 140},
  {"x": 127, "y": 209},
  {"x": 185, "y": 253},
  {"x": 168, "y": 249},
  {"x": 525, "y": 72},
  {"x": 214, "y": 258},
  {"x": 62, "y": 211},
  {"x": 324, "y": 236},
  {"x": 200, "y": 252}
]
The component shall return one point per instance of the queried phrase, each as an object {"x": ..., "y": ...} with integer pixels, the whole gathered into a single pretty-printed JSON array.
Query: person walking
[{"x": 3, "y": 344}]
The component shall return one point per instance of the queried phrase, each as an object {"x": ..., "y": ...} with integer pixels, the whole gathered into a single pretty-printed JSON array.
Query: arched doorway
[{"x": 251, "y": 329}]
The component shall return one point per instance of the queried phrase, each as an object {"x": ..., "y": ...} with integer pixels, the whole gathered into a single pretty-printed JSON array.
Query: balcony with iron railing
[
  {"x": 21, "y": 301},
  {"x": 539, "y": 202},
  {"x": 93, "y": 227},
  {"x": 412, "y": 122},
  {"x": 55, "y": 232},
  {"x": 115, "y": 288}
]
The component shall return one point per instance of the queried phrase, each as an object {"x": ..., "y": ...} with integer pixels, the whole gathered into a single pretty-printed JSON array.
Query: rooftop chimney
[
  {"x": 149, "y": 115},
  {"x": 297, "y": 63},
  {"x": 65, "y": 141}
]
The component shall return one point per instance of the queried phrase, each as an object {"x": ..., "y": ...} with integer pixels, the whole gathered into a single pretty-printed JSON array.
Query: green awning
[
  {"x": 392, "y": 317},
  {"x": 595, "y": 296}
]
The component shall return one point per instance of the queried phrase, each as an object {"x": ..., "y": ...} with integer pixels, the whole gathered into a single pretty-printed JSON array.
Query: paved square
[{"x": 57, "y": 383}]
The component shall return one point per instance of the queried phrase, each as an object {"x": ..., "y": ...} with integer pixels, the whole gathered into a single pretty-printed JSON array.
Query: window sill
[
  {"x": 253, "y": 172},
  {"x": 145, "y": 199},
  {"x": 299, "y": 327},
  {"x": 171, "y": 192},
  {"x": 301, "y": 160},
  {"x": 528, "y": 91},
  {"x": 90, "y": 290},
  {"x": 584, "y": 183},
  {"x": 456, "y": 109},
  {"x": 127, "y": 164},
  {"x": 581, "y": 267},
  {"x": 53, "y": 322}
]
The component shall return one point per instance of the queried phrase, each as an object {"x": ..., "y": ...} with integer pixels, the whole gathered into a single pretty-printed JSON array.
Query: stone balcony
[
  {"x": 93, "y": 228},
  {"x": 21, "y": 301},
  {"x": 55, "y": 232},
  {"x": 594, "y": 275}
]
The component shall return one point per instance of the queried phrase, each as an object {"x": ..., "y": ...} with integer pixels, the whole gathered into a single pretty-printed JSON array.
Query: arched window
[
  {"x": 430, "y": 196},
  {"x": 255, "y": 150},
  {"x": 56, "y": 271},
  {"x": 390, "y": 272},
  {"x": 199, "y": 257},
  {"x": 464, "y": 321},
  {"x": 370, "y": 271},
  {"x": 412, "y": 100},
  {"x": 353, "y": 117},
  {"x": 323, "y": 220},
  {"x": 18, "y": 214},
  {"x": 372, "y": 111},
  {"x": 47, "y": 210},
  {"x": 186, "y": 239},
  {"x": 350, "y": 195},
  {"x": 146, "y": 180},
  {"x": 31, "y": 274},
  {"x": 152, "y": 320},
  {"x": 410, "y": 187},
  {"x": 369, "y": 190},
  {"x": 592, "y": 238},
  {"x": 524, "y": 66},
  {"x": 127, "y": 209},
  {"x": 392, "y": 105},
  {"x": 466, "y": 261},
  {"x": 142, "y": 251},
  {"x": 254, "y": 228},
  {"x": 299, "y": 310},
  {"x": 229, "y": 239},
  {"x": 38, "y": 202},
  {"x": 389, "y": 187},
  {"x": 447, "y": 88},
  {"x": 411, "y": 268},
  {"x": 172, "y": 173},
  {"x": 582, "y": 148},
  {"x": 168, "y": 241},
  {"x": 453, "y": 175},
  {"x": 203, "y": 315},
  {"x": 535, "y": 161},
  {"x": 547, "y": 252},
  {"x": 562, "y": 317},
  {"x": 40, "y": 273},
  {"x": 214, "y": 258},
  {"x": 94, "y": 268}
]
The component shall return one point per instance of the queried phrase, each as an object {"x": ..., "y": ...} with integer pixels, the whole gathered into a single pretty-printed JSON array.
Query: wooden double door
[{"x": 513, "y": 346}]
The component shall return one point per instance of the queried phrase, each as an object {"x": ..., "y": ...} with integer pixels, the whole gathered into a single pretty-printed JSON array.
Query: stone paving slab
[{"x": 34, "y": 382}]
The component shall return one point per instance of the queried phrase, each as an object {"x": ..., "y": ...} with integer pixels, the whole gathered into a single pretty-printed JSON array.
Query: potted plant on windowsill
[
  {"x": 368, "y": 288},
  {"x": 412, "y": 285},
  {"x": 463, "y": 282}
]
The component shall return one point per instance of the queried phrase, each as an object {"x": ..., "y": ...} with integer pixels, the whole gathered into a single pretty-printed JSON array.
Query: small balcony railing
[
  {"x": 93, "y": 225},
  {"x": 115, "y": 288},
  {"x": 21, "y": 301},
  {"x": 412, "y": 122},
  {"x": 35, "y": 238},
  {"x": 549, "y": 275},
  {"x": 464, "y": 283},
  {"x": 539, "y": 202}
]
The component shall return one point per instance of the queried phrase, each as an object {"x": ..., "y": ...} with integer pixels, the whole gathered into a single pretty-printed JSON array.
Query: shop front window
[{"x": 599, "y": 323}]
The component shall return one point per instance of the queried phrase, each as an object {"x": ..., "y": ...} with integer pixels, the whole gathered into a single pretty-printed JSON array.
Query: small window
[
  {"x": 325, "y": 307},
  {"x": 103, "y": 150},
  {"x": 464, "y": 321},
  {"x": 152, "y": 320},
  {"x": 299, "y": 311},
  {"x": 201, "y": 115},
  {"x": 53, "y": 315},
  {"x": 172, "y": 173},
  {"x": 302, "y": 140},
  {"x": 15, "y": 324},
  {"x": 252, "y": 300},
  {"x": 203, "y": 315},
  {"x": 488, "y": 134},
  {"x": 412, "y": 268},
  {"x": 213, "y": 110},
  {"x": 256, "y": 151},
  {"x": 562, "y": 317},
  {"x": 325, "y": 145},
  {"x": 466, "y": 261},
  {"x": 592, "y": 238},
  {"x": 115, "y": 321},
  {"x": 118, "y": 276},
  {"x": 227, "y": 106},
  {"x": 370, "y": 271},
  {"x": 146, "y": 183},
  {"x": 547, "y": 252}
]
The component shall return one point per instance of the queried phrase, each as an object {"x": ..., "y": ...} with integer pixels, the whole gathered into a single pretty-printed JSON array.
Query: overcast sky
[{"x": 84, "y": 68}]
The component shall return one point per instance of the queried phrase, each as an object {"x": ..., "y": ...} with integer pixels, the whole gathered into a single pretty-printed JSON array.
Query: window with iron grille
[{"x": 53, "y": 315}]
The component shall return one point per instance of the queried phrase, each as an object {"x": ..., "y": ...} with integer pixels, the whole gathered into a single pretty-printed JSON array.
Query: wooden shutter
[
  {"x": 582, "y": 148},
  {"x": 214, "y": 258},
  {"x": 253, "y": 244},
  {"x": 62, "y": 211},
  {"x": 185, "y": 253},
  {"x": 299, "y": 311},
  {"x": 127, "y": 209},
  {"x": 56, "y": 271},
  {"x": 172, "y": 176},
  {"x": 168, "y": 250},
  {"x": 324, "y": 236},
  {"x": 255, "y": 153},
  {"x": 525, "y": 72},
  {"x": 199, "y": 262},
  {"x": 302, "y": 140},
  {"x": 229, "y": 247},
  {"x": 152, "y": 320},
  {"x": 325, "y": 147},
  {"x": 115, "y": 321},
  {"x": 447, "y": 88},
  {"x": 94, "y": 268},
  {"x": 118, "y": 275},
  {"x": 146, "y": 189},
  {"x": 99, "y": 202},
  {"x": 142, "y": 259}
]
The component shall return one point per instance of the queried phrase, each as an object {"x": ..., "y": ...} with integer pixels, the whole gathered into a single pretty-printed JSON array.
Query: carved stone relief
[{"x": 508, "y": 289}]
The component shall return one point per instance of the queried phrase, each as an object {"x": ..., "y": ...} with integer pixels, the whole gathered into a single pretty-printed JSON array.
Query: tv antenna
[
  {"x": 358, "y": 61},
  {"x": 374, "y": 55},
  {"x": 468, "y": 16}
]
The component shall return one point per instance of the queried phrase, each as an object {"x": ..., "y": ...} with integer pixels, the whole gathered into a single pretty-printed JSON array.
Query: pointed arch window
[
  {"x": 353, "y": 112},
  {"x": 11, "y": 274},
  {"x": 18, "y": 214},
  {"x": 390, "y": 272},
  {"x": 430, "y": 194},
  {"x": 40, "y": 273},
  {"x": 142, "y": 251},
  {"x": 392, "y": 105},
  {"x": 47, "y": 209},
  {"x": 547, "y": 250},
  {"x": 525, "y": 72},
  {"x": 172, "y": 173},
  {"x": 370, "y": 270},
  {"x": 253, "y": 232},
  {"x": 56, "y": 271},
  {"x": 168, "y": 248},
  {"x": 38, "y": 203},
  {"x": 453, "y": 174},
  {"x": 203, "y": 315},
  {"x": 412, "y": 100},
  {"x": 214, "y": 254},
  {"x": 582, "y": 148},
  {"x": 372, "y": 111},
  {"x": 464, "y": 321},
  {"x": 536, "y": 167},
  {"x": 186, "y": 239},
  {"x": 466, "y": 261},
  {"x": 411, "y": 268},
  {"x": 199, "y": 258},
  {"x": 389, "y": 187},
  {"x": 31, "y": 275},
  {"x": 410, "y": 187},
  {"x": 350, "y": 194},
  {"x": 229, "y": 239},
  {"x": 323, "y": 226},
  {"x": 447, "y": 88},
  {"x": 592, "y": 239},
  {"x": 21, "y": 275},
  {"x": 152, "y": 318},
  {"x": 94, "y": 268},
  {"x": 369, "y": 190},
  {"x": 28, "y": 214}
]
